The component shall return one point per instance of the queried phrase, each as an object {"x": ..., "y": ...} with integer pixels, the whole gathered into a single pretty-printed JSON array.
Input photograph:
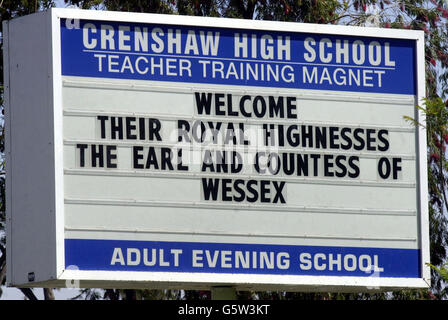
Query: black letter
[
  {"x": 240, "y": 191},
  {"x": 154, "y": 129},
  {"x": 137, "y": 156},
  {"x": 219, "y": 104},
  {"x": 226, "y": 189},
  {"x": 356, "y": 135},
  {"x": 210, "y": 187},
  {"x": 152, "y": 159},
  {"x": 258, "y": 113},
  {"x": 111, "y": 156},
  {"x": 346, "y": 138},
  {"x": 252, "y": 191},
  {"x": 203, "y": 102},
  {"x": 341, "y": 166},
  {"x": 264, "y": 191},
  {"x": 180, "y": 165},
  {"x": 97, "y": 155},
  {"x": 351, "y": 162},
  {"x": 167, "y": 155},
  {"x": 327, "y": 165},
  {"x": 321, "y": 137},
  {"x": 291, "y": 107},
  {"x": 230, "y": 111},
  {"x": 276, "y": 109},
  {"x": 82, "y": 156},
  {"x": 103, "y": 125},
  {"x": 279, "y": 190},
  {"x": 383, "y": 140},
  {"x": 315, "y": 158},
  {"x": 334, "y": 136},
  {"x": 396, "y": 167},
  {"x": 183, "y": 128},
  {"x": 370, "y": 139},
  {"x": 130, "y": 126},
  {"x": 384, "y": 173},
  {"x": 116, "y": 127},
  {"x": 243, "y": 111},
  {"x": 307, "y": 136}
]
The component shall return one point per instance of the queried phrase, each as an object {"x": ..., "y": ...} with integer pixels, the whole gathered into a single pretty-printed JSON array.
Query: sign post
[{"x": 181, "y": 152}]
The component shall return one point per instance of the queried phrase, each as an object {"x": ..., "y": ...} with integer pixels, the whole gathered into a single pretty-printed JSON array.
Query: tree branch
[
  {"x": 441, "y": 174},
  {"x": 442, "y": 183},
  {"x": 2, "y": 273},
  {"x": 2, "y": 265},
  {"x": 28, "y": 293},
  {"x": 130, "y": 294}
]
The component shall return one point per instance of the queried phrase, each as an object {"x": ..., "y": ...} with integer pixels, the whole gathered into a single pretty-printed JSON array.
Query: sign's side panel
[
  {"x": 7, "y": 124},
  {"x": 30, "y": 166}
]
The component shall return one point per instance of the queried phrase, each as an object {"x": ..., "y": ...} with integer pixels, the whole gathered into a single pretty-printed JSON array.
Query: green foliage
[
  {"x": 436, "y": 125},
  {"x": 443, "y": 270}
]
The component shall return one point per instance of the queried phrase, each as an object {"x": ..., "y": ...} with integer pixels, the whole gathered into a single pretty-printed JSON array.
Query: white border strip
[
  {"x": 422, "y": 173},
  {"x": 245, "y": 280},
  {"x": 55, "y": 62},
  {"x": 231, "y": 23}
]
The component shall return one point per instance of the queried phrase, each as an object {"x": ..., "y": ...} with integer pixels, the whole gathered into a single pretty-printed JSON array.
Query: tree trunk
[
  {"x": 130, "y": 294},
  {"x": 48, "y": 294}
]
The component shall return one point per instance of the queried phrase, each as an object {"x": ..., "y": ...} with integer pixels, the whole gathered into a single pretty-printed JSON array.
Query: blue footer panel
[{"x": 198, "y": 257}]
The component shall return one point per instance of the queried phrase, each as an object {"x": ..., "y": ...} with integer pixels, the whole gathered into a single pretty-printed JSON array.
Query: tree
[{"x": 427, "y": 15}]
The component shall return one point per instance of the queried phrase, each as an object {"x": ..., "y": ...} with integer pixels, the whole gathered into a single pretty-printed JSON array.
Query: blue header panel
[
  {"x": 238, "y": 57},
  {"x": 151, "y": 256}
]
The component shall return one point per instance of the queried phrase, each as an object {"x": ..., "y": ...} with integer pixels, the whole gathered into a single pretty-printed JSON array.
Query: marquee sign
[{"x": 191, "y": 152}]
